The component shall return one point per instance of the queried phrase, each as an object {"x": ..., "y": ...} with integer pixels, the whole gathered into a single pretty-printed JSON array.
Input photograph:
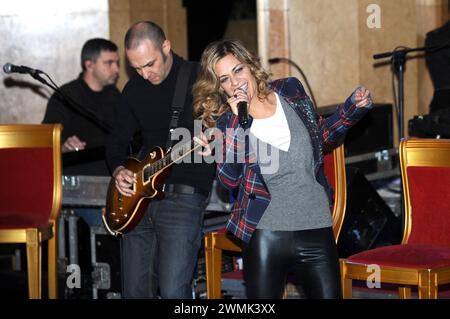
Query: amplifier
[
  {"x": 376, "y": 165},
  {"x": 373, "y": 133}
]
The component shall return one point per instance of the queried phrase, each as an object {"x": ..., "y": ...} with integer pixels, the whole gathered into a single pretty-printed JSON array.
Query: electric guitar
[{"x": 122, "y": 213}]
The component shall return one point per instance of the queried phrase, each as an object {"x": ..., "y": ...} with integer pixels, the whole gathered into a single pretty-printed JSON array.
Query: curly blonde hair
[{"x": 210, "y": 102}]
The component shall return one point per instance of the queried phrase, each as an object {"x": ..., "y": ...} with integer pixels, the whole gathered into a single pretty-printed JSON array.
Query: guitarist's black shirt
[{"x": 146, "y": 108}]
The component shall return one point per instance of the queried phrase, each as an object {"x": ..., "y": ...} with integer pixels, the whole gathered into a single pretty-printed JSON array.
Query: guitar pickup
[
  {"x": 133, "y": 186},
  {"x": 146, "y": 174}
]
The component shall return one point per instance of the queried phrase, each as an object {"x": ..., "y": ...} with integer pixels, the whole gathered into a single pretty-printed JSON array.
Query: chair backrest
[
  {"x": 30, "y": 170},
  {"x": 334, "y": 166},
  {"x": 425, "y": 168}
]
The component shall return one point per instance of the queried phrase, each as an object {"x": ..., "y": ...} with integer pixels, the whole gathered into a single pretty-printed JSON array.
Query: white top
[{"x": 273, "y": 130}]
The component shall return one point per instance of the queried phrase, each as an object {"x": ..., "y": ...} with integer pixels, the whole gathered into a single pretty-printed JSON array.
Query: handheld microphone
[
  {"x": 242, "y": 113},
  {"x": 11, "y": 68}
]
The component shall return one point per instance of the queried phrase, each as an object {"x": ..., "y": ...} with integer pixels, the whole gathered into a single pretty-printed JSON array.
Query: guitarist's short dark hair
[{"x": 144, "y": 30}]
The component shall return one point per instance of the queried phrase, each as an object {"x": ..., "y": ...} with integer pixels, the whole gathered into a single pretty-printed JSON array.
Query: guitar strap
[{"x": 179, "y": 97}]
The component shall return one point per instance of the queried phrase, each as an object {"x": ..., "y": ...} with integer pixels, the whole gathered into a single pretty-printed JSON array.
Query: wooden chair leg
[
  {"x": 423, "y": 292},
  {"x": 346, "y": 283},
  {"x": 427, "y": 288},
  {"x": 404, "y": 292},
  {"x": 433, "y": 292},
  {"x": 52, "y": 266},
  {"x": 347, "y": 289},
  {"x": 217, "y": 273},
  {"x": 34, "y": 264},
  {"x": 434, "y": 287},
  {"x": 209, "y": 266}
]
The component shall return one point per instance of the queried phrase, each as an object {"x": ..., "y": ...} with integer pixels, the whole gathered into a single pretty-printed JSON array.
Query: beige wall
[
  {"x": 46, "y": 35},
  {"x": 49, "y": 34},
  {"x": 170, "y": 15},
  {"x": 328, "y": 39},
  {"x": 398, "y": 28},
  {"x": 331, "y": 42},
  {"x": 334, "y": 46},
  {"x": 273, "y": 34},
  {"x": 325, "y": 44}
]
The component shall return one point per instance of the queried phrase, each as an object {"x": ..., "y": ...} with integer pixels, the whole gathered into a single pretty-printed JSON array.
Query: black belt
[{"x": 184, "y": 189}]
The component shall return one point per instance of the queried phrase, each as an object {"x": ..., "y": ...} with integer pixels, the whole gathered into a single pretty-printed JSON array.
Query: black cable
[
  {"x": 72, "y": 103},
  {"x": 394, "y": 88},
  {"x": 297, "y": 67},
  {"x": 55, "y": 85}
]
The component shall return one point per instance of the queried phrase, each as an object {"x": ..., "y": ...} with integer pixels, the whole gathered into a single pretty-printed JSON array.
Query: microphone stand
[
  {"x": 297, "y": 67},
  {"x": 398, "y": 63},
  {"x": 73, "y": 104}
]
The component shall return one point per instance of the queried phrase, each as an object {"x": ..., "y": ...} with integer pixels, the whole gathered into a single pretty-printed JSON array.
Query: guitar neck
[
  {"x": 173, "y": 156},
  {"x": 181, "y": 152}
]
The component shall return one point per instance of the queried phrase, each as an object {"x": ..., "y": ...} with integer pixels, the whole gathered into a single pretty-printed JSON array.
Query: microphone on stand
[
  {"x": 11, "y": 68},
  {"x": 36, "y": 74},
  {"x": 242, "y": 113}
]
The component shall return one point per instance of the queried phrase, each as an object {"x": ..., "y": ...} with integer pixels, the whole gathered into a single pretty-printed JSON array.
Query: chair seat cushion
[
  {"x": 15, "y": 220},
  {"x": 28, "y": 196},
  {"x": 236, "y": 274},
  {"x": 222, "y": 231},
  {"x": 407, "y": 256}
]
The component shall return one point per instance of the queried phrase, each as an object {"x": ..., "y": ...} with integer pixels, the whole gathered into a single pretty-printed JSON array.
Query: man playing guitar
[{"x": 161, "y": 251}]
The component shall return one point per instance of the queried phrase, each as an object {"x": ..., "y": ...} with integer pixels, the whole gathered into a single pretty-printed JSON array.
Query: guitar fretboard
[{"x": 176, "y": 154}]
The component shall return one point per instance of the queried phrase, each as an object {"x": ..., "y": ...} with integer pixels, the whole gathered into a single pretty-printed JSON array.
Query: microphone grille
[{"x": 7, "y": 67}]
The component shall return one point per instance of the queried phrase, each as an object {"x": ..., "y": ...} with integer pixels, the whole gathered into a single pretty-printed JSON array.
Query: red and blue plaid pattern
[{"x": 244, "y": 178}]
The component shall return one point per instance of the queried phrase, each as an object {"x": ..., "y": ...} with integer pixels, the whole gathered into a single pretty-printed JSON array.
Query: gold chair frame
[
  {"x": 37, "y": 136},
  {"x": 215, "y": 242},
  {"x": 413, "y": 152}
]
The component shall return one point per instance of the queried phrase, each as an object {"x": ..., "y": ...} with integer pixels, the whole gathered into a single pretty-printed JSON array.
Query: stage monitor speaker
[
  {"x": 373, "y": 133},
  {"x": 369, "y": 222}
]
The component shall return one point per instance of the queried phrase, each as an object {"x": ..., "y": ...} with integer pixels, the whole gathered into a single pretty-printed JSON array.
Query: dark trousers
[
  {"x": 309, "y": 255},
  {"x": 162, "y": 251}
]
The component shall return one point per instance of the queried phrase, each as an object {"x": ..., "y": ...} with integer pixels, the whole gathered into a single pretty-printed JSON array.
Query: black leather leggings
[{"x": 309, "y": 255}]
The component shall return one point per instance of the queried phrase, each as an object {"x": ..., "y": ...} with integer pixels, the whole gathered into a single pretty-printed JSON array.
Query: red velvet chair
[
  {"x": 30, "y": 170},
  {"x": 216, "y": 242},
  {"x": 423, "y": 257}
]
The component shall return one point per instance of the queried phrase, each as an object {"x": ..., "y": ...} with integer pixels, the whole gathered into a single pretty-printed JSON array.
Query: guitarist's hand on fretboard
[{"x": 124, "y": 180}]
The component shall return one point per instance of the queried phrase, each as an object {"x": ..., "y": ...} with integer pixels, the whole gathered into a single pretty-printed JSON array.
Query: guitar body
[{"x": 122, "y": 213}]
